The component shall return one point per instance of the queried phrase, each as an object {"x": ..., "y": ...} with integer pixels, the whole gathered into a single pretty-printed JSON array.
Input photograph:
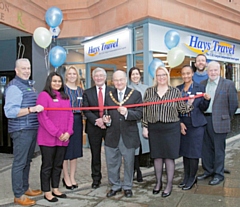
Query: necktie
[
  {"x": 100, "y": 101},
  {"x": 120, "y": 96}
]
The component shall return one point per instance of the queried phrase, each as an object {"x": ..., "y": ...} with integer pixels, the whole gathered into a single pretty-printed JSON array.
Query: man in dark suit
[
  {"x": 122, "y": 137},
  {"x": 221, "y": 109},
  {"x": 95, "y": 127}
]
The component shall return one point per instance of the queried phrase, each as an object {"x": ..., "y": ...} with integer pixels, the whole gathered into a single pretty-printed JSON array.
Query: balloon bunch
[
  {"x": 175, "y": 55},
  {"x": 43, "y": 37}
]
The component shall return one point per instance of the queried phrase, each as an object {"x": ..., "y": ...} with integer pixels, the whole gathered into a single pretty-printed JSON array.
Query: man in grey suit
[
  {"x": 221, "y": 109},
  {"x": 122, "y": 136}
]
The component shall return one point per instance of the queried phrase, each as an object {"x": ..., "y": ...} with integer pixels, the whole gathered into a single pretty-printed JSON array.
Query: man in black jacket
[{"x": 122, "y": 136}]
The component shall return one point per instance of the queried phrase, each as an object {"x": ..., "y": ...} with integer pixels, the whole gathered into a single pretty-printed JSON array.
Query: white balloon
[
  {"x": 42, "y": 37},
  {"x": 175, "y": 57}
]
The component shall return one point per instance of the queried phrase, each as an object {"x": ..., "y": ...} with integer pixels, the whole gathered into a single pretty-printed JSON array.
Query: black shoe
[
  {"x": 164, "y": 195},
  {"x": 203, "y": 176},
  {"x": 60, "y": 196},
  {"x": 113, "y": 192},
  {"x": 75, "y": 186},
  {"x": 155, "y": 192},
  {"x": 96, "y": 184},
  {"x": 227, "y": 171},
  {"x": 54, "y": 199},
  {"x": 128, "y": 193},
  {"x": 181, "y": 185},
  {"x": 65, "y": 185},
  {"x": 188, "y": 187},
  {"x": 215, "y": 181}
]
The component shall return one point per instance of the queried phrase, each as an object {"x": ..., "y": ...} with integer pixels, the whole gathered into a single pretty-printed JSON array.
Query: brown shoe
[
  {"x": 31, "y": 192},
  {"x": 24, "y": 201}
]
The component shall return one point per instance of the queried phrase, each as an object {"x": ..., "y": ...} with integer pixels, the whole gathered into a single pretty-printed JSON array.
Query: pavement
[{"x": 226, "y": 194}]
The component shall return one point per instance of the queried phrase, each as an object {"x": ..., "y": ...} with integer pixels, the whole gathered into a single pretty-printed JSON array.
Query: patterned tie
[
  {"x": 100, "y": 101},
  {"x": 120, "y": 96}
]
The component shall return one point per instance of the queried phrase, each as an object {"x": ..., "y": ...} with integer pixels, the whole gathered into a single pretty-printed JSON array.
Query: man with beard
[{"x": 200, "y": 63}]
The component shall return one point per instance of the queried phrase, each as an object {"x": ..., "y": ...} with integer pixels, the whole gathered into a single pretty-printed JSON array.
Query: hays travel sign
[
  {"x": 212, "y": 48},
  {"x": 193, "y": 44},
  {"x": 116, "y": 44}
]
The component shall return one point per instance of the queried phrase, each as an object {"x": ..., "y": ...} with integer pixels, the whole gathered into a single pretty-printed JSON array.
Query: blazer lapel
[
  {"x": 115, "y": 95},
  {"x": 94, "y": 94},
  {"x": 219, "y": 88},
  {"x": 127, "y": 91},
  {"x": 195, "y": 89}
]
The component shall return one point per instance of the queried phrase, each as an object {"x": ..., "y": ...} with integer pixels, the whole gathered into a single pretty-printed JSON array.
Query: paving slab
[{"x": 226, "y": 194}]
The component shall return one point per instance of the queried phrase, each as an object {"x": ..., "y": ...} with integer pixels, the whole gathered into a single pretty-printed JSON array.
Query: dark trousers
[
  {"x": 95, "y": 142},
  {"x": 24, "y": 142},
  {"x": 213, "y": 151},
  {"x": 52, "y": 161}
]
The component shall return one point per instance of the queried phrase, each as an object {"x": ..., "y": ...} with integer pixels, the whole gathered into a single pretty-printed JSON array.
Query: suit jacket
[
  {"x": 224, "y": 105},
  {"x": 127, "y": 128},
  {"x": 200, "y": 105},
  {"x": 90, "y": 99}
]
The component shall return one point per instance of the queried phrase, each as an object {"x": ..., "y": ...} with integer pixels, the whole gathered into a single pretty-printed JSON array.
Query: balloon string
[
  {"x": 46, "y": 59},
  {"x": 127, "y": 106}
]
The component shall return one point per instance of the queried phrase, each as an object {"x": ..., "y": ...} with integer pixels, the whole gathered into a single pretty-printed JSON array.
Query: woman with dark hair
[
  {"x": 55, "y": 128},
  {"x": 192, "y": 127},
  {"x": 74, "y": 148},
  {"x": 135, "y": 79}
]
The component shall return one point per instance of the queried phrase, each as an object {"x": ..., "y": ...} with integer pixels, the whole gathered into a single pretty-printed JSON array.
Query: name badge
[
  {"x": 79, "y": 97},
  {"x": 55, "y": 100},
  {"x": 199, "y": 93}
]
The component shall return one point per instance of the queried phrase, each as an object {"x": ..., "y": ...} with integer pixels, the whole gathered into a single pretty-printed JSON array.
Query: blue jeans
[{"x": 24, "y": 142}]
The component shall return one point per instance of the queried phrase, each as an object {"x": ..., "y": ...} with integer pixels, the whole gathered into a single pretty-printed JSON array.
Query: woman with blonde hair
[
  {"x": 74, "y": 149},
  {"x": 162, "y": 126}
]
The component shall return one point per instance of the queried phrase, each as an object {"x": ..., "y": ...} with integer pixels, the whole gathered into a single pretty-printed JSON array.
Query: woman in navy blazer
[{"x": 192, "y": 127}]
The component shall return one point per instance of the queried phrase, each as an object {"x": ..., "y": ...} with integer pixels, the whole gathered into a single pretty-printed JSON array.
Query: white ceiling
[{"x": 9, "y": 33}]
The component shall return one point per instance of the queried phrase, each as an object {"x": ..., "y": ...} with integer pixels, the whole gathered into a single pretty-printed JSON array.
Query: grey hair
[
  {"x": 21, "y": 60},
  {"x": 97, "y": 70},
  {"x": 214, "y": 63}
]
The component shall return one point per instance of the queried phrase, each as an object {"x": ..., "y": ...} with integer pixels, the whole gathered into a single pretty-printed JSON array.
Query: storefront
[{"x": 138, "y": 45}]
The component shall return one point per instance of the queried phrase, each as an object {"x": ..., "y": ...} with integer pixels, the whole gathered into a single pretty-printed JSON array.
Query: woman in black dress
[
  {"x": 74, "y": 149},
  {"x": 192, "y": 128},
  {"x": 162, "y": 126}
]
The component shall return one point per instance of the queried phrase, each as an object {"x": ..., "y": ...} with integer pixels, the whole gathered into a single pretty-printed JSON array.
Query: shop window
[{"x": 138, "y": 39}]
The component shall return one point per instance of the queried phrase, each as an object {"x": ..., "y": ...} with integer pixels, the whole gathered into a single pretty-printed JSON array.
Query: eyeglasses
[{"x": 161, "y": 75}]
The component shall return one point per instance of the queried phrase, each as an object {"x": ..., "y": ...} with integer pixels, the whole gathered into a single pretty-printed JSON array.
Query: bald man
[{"x": 122, "y": 136}]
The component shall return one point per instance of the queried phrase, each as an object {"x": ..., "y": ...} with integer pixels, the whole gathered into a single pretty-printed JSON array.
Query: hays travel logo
[
  {"x": 197, "y": 45},
  {"x": 105, "y": 46}
]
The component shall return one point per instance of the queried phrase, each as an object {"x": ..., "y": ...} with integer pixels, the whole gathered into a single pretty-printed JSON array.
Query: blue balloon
[
  {"x": 57, "y": 56},
  {"x": 171, "y": 39},
  {"x": 154, "y": 65},
  {"x": 53, "y": 17}
]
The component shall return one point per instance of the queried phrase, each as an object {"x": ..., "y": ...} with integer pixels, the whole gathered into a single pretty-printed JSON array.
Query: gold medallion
[{"x": 123, "y": 101}]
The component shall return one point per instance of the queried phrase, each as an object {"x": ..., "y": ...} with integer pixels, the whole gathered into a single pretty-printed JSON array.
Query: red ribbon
[{"x": 127, "y": 106}]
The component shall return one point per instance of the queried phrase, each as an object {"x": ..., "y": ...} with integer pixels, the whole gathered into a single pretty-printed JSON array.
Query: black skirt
[
  {"x": 164, "y": 140},
  {"x": 74, "y": 148}
]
